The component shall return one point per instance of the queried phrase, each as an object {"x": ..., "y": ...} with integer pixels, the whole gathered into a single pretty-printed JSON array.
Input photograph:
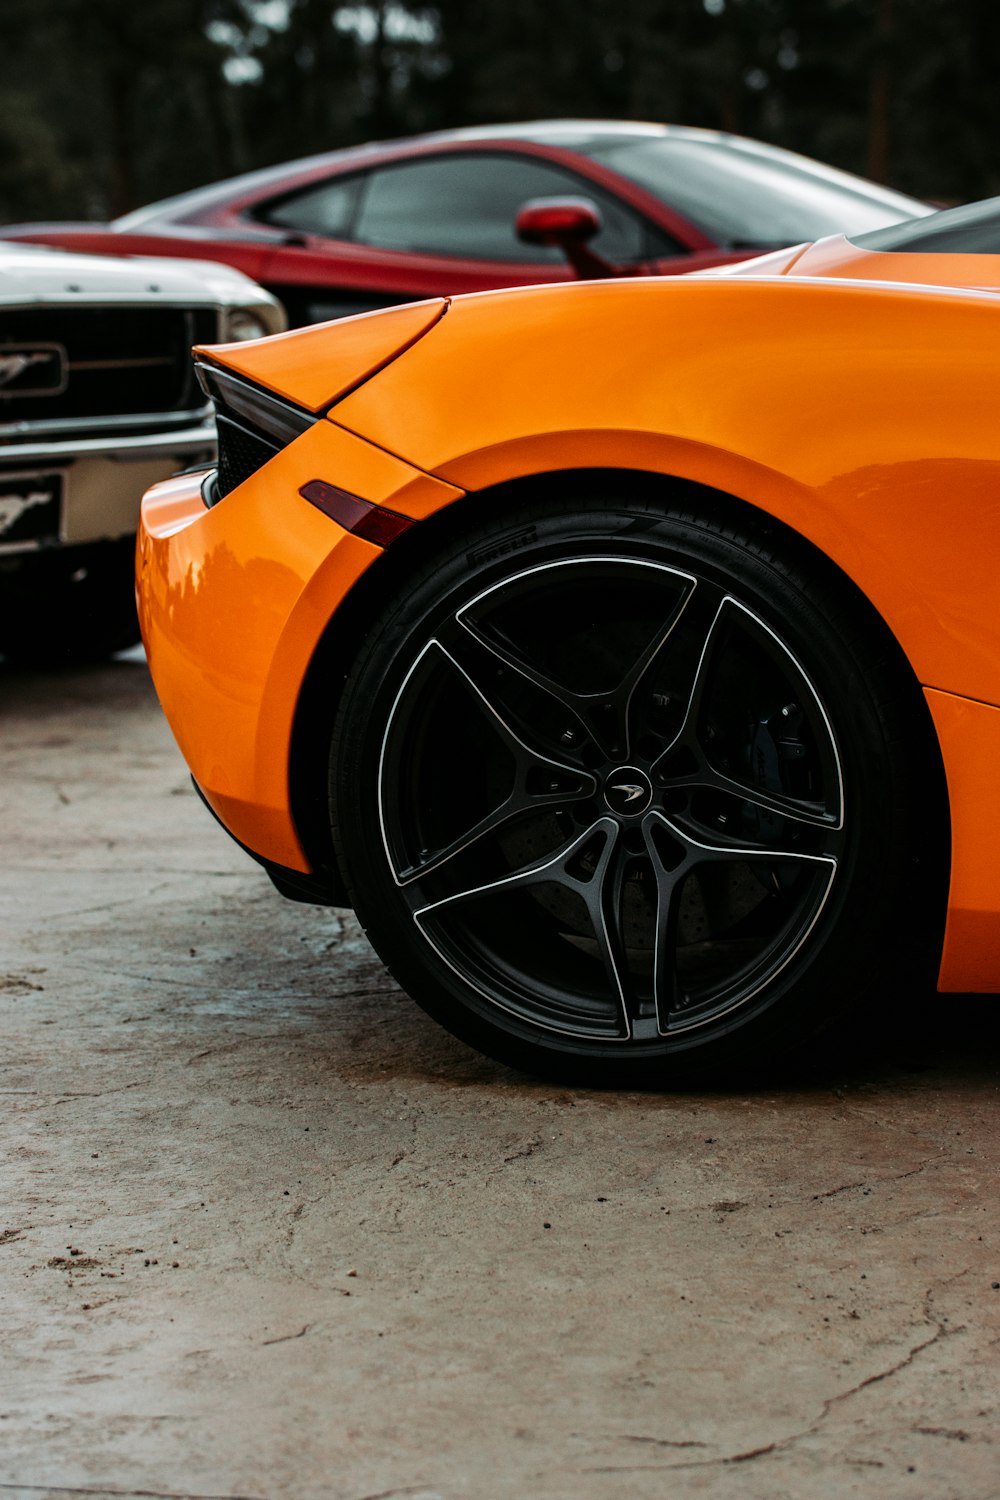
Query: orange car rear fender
[
  {"x": 969, "y": 735},
  {"x": 233, "y": 602},
  {"x": 863, "y": 417}
]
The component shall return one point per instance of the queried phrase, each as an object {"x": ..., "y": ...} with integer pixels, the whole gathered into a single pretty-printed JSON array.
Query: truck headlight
[{"x": 244, "y": 323}]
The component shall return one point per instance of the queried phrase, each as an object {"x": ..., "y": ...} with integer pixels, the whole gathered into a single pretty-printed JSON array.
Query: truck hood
[{"x": 35, "y": 274}]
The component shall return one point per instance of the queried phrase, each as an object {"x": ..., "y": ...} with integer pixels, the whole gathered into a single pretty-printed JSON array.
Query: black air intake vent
[
  {"x": 253, "y": 425},
  {"x": 241, "y": 453}
]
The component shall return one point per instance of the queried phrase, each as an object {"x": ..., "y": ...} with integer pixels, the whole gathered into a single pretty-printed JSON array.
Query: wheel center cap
[{"x": 628, "y": 791}]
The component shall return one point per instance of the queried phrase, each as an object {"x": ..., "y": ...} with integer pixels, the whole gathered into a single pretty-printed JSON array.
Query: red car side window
[
  {"x": 466, "y": 205},
  {"x": 327, "y": 210},
  {"x": 461, "y": 205}
]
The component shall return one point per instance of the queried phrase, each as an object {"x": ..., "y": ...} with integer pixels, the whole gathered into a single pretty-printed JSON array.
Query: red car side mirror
[
  {"x": 567, "y": 223},
  {"x": 557, "y": 221}
]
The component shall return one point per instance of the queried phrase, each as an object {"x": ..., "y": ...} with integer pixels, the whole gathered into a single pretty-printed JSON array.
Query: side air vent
[
  {"x": 253, "y": 426},
  {"x": 241, "y": 453}
]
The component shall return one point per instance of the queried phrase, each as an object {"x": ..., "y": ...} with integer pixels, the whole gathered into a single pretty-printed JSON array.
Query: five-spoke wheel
[{"x": 609, "y": 802}]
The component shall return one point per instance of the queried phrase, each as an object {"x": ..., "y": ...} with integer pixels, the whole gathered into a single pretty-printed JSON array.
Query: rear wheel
[{"x": 623, "y": 796}]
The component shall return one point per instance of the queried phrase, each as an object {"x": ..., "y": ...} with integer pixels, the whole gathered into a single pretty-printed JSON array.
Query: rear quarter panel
[{"x": 864, "y": 417}]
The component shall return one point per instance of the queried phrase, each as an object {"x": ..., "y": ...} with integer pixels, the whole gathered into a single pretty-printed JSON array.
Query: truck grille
[{"x": 118, "y": 361}]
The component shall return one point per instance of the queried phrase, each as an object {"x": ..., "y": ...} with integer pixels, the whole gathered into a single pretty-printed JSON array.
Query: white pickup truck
[{"x": 98, "y": 400}]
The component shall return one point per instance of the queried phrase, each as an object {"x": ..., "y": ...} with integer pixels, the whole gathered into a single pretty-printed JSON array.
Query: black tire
[
  {"x": 624, "y": 795},
  {"x": 70, "y": 606}
]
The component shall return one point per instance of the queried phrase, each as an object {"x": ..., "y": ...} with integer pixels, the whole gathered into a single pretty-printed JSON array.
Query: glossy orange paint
[
  {"x": 969, "y": 735},
  {"x": 861, "y": 416},
  {"x": 838, "y": 257},
  {"x": 233, "y": 602},
  {"x": 324, "y": 361},
  {"x": 845, "y": 411}
]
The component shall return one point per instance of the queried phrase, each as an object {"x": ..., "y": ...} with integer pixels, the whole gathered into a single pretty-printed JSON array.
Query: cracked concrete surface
[{"x": 267, "y": 1231}]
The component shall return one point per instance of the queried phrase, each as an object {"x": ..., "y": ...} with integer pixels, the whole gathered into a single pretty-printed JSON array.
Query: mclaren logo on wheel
[
  {"x": 32, "y": 369},
  {"x": 630, "y": 790}
]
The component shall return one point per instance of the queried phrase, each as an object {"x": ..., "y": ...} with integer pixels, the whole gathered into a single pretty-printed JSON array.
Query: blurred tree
[
  {"x": 106, "y": 104},
  {"x": 319, "y": 75},
  {"x": 130, "y": 94},
  {"x": 34, "y": 172}
]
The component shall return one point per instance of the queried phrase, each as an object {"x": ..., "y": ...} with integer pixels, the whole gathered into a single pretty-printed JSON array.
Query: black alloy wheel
[{"x": 619, "y": 795}]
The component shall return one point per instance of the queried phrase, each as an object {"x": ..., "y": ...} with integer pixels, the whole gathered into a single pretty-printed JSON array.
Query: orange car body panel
[
  {"x": 232, "y": 603},
  {"x": 838, "y": 257},
  {"x": 846, "y": 411},
  {"x": 861, "y": 416},
  {"x": 322, "y": 366},
  {"x": 969, "y": 735}
]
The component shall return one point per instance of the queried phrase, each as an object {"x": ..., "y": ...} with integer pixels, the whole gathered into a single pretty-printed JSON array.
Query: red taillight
[{"x": 371, "y": 522}]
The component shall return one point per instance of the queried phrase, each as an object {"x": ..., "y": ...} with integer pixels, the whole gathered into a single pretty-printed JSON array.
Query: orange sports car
[{"x": 627, "y": 654}]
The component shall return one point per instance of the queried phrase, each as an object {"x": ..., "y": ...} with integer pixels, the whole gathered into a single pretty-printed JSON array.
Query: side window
[
  {"x": 327, "y": 209},
  {"x": 465, "y": 205}
]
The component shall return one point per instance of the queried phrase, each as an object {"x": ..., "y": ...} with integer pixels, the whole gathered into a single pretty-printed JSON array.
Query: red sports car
[{"x": 438, "y": 214}]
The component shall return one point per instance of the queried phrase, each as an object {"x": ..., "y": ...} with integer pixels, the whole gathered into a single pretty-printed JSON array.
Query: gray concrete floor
[{"x": 266, "y": 1231}]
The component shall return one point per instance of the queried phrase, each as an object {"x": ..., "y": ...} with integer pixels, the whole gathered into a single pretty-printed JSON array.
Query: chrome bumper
[
  {"x": 124, "y": 447},
  {"x": 103, "y": 478}
]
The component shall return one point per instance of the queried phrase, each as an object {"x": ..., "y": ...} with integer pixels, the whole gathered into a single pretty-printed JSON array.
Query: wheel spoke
[
  {"x": 688, "y": 764},
  {"x": 599, "y": 887},
  {"x": 517, "y": 805},
  {"x": 644, "y": 671},
  {"x": 605, "y": 899},
  {"x": 539, "y": 782},
  {"x": 606, "y": 715},
  {"x": 699, "y": 851},
  {"x": 551, "y": 868},
  {"x": 687, "y": 853},
  {"x": 706, "y": 620},
  {"x": 595, "y": 714},
  {"x": 808, "y": 814},
  {"x": 476, "y": 663},
  {"x": 670, "y": 878}
]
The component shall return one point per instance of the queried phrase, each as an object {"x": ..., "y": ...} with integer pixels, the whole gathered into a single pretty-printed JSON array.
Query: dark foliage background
[{"x": 107, "y": 104}]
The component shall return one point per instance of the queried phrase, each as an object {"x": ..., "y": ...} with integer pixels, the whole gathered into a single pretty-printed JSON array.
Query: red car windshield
[{"x": 746, "y": 195}]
